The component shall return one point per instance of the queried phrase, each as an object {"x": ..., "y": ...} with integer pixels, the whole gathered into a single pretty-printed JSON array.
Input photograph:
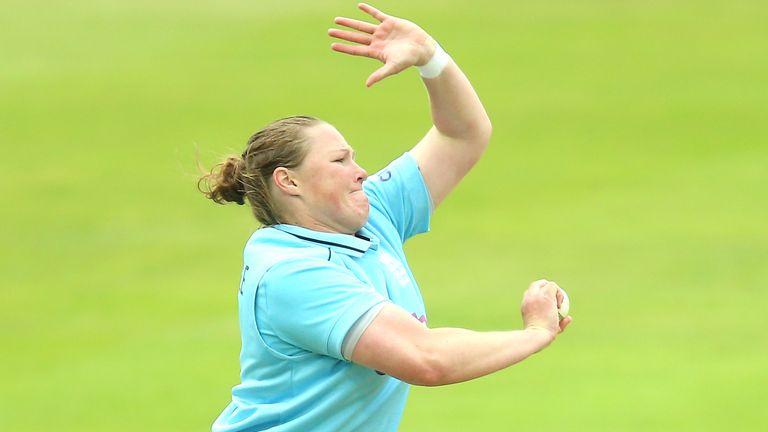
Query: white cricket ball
[{"x": 565, "y": 305}]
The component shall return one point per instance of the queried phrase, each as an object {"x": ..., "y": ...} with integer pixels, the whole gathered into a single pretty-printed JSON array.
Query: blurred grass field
[{"x": 629, "y": 163}]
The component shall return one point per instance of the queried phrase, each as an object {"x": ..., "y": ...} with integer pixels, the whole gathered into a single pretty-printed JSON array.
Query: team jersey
[{"x": 302, "y": 291}]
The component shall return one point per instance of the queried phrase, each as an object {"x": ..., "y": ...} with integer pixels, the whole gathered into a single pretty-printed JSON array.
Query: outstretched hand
[{"x": 396, "y": 42}]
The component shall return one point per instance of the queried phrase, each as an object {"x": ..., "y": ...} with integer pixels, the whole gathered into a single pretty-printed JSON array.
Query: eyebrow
[{"x": 345, "y": 150}]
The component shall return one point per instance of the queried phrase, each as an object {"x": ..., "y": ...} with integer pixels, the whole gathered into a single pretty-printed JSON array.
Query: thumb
[{"x": 386, "y": 70}]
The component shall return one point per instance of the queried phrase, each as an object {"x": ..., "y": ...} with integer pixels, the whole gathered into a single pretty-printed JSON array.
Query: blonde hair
[{"x": 280, "y": 144}]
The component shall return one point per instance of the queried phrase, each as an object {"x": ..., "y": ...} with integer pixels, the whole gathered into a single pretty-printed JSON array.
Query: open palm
[{"x": 396, "y": 42}]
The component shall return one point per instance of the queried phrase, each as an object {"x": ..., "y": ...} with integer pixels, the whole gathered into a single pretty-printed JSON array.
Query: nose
[{"x": 362, "y": 174}]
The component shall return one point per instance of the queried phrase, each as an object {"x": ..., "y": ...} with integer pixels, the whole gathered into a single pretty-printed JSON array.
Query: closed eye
[{"x": 343, "y": 155}]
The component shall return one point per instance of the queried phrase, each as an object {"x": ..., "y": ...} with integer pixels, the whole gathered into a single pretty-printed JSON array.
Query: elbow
[
  {"x": 485, "y": 134},
  {"x": 486, "y": 130},
  {"x": 429, "y": 370},
  {"x": 475, "y": 133},
  {"x": 480, "y": 138},
  {"x": 481, "y": 134},
  {"x": 483, "y": 128}
]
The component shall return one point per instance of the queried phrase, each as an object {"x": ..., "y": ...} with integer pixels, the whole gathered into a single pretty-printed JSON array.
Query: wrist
[
  {"x": 542, "y": 335},
  {"x": 435, "y": 65}
]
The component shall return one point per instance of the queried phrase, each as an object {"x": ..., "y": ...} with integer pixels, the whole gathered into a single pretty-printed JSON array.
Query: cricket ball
[{"x": 565, "y": 305}]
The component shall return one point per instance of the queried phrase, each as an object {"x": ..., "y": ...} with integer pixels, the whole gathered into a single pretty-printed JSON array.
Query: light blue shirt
[{"x": 302, "y": 291}]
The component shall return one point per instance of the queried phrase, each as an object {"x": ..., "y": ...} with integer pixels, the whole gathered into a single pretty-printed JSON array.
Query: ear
[{"x": 285, "y": 181}]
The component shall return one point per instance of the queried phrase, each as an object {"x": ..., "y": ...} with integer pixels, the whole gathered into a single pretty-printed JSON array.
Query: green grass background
[{"x": 629, "y": 163}]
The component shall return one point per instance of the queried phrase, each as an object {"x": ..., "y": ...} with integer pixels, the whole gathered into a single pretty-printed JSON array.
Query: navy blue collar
[{"x": 354, "y": 245}]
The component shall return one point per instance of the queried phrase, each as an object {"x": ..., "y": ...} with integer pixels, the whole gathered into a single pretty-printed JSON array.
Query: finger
[
  {"x": 559, "y": 297},
  {"x": 565, "y": 322},
  {"x": 550, "y": 289},
  {"x": 372, "y": 11},
  {"x": 538, "y": 284},
  {"x": 355, "y": 50},
  {"x": 349, "y": 36},
  {"x": 380, "y": 74},
  {"x": 355, "y": 24}
]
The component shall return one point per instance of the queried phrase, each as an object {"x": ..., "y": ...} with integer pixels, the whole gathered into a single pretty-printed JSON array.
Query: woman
[{"x": 333, "y": 325}]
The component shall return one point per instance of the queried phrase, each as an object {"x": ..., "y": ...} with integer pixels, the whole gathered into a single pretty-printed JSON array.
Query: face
[{"x": 331, "y": 183}]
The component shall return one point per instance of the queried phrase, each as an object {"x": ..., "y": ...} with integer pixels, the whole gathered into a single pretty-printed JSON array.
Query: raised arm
[
  {"x": 461, "y": 128},
  {"x": 398, "y": 345}
]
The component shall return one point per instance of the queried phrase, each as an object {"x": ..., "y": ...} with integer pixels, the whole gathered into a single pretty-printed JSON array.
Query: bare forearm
[
  {"x": 456, "y": 108},
  {"x": 464, "y": 354},
  {"x": 402, "y": 347},
  {"x": 460, "y": 134}
]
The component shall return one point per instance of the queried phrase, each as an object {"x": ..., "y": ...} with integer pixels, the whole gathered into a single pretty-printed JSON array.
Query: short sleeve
[
  {"x": 400, "y": 192},
  {"x": 312, "y": 304}
]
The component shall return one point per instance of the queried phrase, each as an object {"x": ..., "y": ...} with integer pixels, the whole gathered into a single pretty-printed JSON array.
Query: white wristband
[{"x": 436, "y": 64}]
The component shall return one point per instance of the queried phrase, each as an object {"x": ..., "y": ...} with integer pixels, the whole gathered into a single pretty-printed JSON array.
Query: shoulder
[
  {"x": 404, "y": 167},
  {"x": 399, "y": 194},
  {"x": 399, "y": 183}
]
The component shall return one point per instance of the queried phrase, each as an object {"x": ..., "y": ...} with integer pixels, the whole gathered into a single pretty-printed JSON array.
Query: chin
[
  {"x": 362, "y": 220},
  {"x": 365, "y": 213}
]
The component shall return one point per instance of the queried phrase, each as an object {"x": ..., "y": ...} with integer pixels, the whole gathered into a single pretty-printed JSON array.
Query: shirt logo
[{"x": 395, "y": 268}]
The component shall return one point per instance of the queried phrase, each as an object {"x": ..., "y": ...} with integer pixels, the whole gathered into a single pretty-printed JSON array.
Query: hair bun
[{"x": 225, "y": 181}]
